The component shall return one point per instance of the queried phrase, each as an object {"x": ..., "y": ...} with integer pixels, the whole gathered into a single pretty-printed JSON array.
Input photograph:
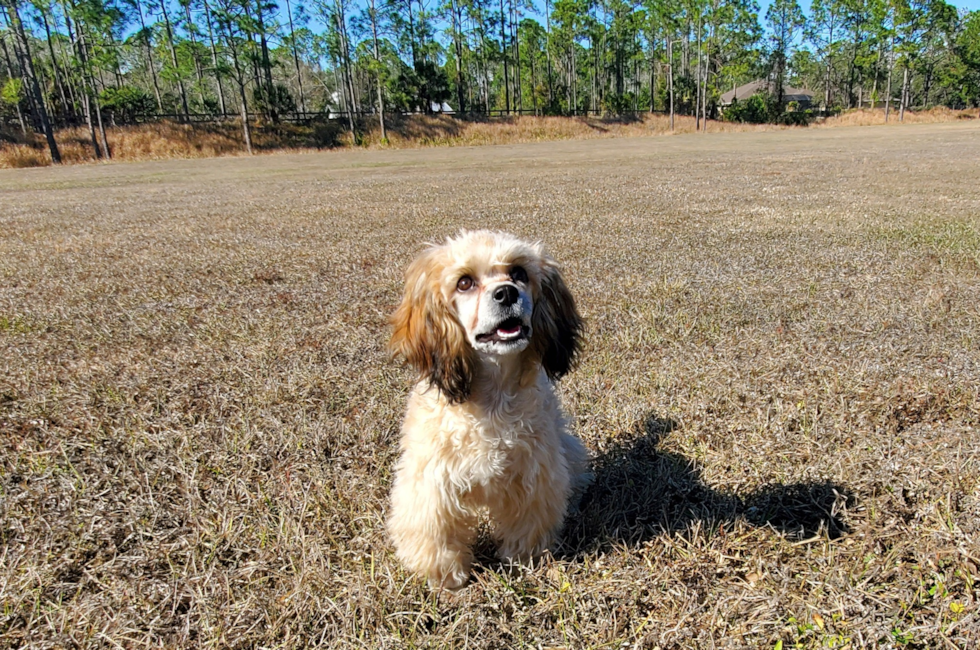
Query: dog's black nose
[{"x": 506, "y": 295}]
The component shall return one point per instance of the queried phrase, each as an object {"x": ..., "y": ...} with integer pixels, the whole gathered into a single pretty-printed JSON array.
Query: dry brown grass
[
  {"x": 441, "y": 130},
  {"x": 873, "y": 117},
  {"x": 20, "y": 156},
  {"x": 198, "y": 417},
  {"x": 169, "y": 140}
]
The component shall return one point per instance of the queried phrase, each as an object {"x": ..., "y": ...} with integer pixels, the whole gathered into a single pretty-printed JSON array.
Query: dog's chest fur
[{"x": 489, "y": 440}]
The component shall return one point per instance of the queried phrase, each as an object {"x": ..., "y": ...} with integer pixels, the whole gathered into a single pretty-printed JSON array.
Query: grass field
[{"x": 781, "y": 388}]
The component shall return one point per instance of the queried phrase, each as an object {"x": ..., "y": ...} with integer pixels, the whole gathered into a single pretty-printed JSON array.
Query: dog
[{"x": 489, "y": 324}]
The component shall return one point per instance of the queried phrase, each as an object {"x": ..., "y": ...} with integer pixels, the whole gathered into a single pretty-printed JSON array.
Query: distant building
[
  {"x": 442, "y": 108},
  {"x": 802, "y": 97}
]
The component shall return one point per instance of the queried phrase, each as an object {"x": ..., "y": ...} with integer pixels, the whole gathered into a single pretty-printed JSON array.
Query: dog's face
[
  {"x": 492, "y": 299},
  {"x": 484, "y": 293}
]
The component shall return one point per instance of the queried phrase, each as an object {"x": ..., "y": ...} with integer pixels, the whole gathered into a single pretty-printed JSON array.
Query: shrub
[
  {"x": 11, "y": 95},
  {"x": 326, "y": 134},
  {"x": 12, "y": 92},
  {"x": 127, "y": 103},
  {"x": 757, "y": 109},
  {"x": 613, "y": 104},
  {"x": 274, "y": 101},
  {"x": 762, "y": 108},
  {"x": 796, "y": 118}
]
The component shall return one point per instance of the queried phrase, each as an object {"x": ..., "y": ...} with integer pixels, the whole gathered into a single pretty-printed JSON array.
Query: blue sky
[{"x": 972, "y": 5}]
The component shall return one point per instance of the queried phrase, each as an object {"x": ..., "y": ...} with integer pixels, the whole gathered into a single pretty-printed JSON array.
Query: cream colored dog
[{"x": 488, "y": 323}]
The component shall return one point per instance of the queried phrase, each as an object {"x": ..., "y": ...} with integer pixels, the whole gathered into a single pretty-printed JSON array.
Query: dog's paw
[{"x": 453, "y": 581}]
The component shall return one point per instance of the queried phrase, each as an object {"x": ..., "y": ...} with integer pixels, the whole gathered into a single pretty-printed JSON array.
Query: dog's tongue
[{"x": 509, "y": 331}]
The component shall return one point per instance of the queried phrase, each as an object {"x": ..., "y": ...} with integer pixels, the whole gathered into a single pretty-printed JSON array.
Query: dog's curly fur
[{"x": 488, "y": 323}]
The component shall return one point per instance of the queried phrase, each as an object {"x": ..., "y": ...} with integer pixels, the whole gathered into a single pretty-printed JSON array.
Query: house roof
[{"x": 747, "y": 90}]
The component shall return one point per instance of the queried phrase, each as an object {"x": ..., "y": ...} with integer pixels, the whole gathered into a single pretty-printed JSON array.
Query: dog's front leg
[
  {"x": 432, "y": 529},
  {"x": 530, "y": 514}
]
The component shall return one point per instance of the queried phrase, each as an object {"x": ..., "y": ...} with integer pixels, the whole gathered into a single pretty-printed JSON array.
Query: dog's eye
[
  {"x": 518, "y": 274},
  {"x": 465, "y": 283}
]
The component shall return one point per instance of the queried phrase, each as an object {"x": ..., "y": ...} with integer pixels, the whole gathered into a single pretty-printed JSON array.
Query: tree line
[{"x": 103, "y": 62}]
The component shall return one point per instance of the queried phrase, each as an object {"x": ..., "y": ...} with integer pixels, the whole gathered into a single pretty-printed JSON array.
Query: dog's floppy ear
[
  {"x": 427, "y": 334},
  {"x": 556, "y": 324}
]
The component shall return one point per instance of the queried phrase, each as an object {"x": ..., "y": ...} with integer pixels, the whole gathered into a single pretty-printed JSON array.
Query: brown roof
[{"x": 751, "y": 88}]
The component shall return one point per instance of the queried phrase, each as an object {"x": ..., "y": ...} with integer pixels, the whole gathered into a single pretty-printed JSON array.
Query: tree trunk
[
  {"x": 256, "y": 77},
  {"x": 214, "y": 60},
  {"x": 377, "y": 58},
  {"x": 534, "y": 79},
  {"x": 67, "y": 62},
  {"x": 670, "y": 77},
  {"x": 877, "y": 73},
  {"x": 246, "y": 130},
  {"x": 853, "y": 66},
  {"x": 173, "y": 58},
  {"x": 149, "y": 55},
  {"x": 33, "y": 121},
  {"x": 54, "y": 64},
  {"x": 87, "y": 108},
  {"x": 458, "y": 43},
  {"x": 271, "y": 100},
  {"x": 653, "y": 78},
  {"x": 574, "y": 77},
  {"x": 411, "y": 35},
  {"x": 827, "y": 64},
  {"x": 10, "y": 75},
  {"x": 905, "y": 94},
  {"x": 568, "y": 80},
  {"x": 344, "y": 94},
  {"x": 27, "y": 67},
  {"x": 191, "y": 28},
  {"x": 299, "y": 75},
  {"x": 345, "y": 60},
  {"x": 94, "y": 97},
  {"x": 102, "y": 135},
  {"x": 704, "y": 83},
  {"x": 927, "y": 86},
  {"x": 86, "y": 90},
  {"x": 704, "y": 91},
  {"x": 240, "y": 82},
  {"x": 697, "y": 83},
  {"x": 518, "y": 91},
  {"x": 114, "y": 46},
  {"x": 888, "y": 92},
  {"x": 547, "y": 50},
  {"x": 503, "y": 50}
]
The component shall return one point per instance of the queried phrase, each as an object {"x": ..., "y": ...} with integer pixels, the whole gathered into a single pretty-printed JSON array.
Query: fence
[{"x": 299, "y": 117}]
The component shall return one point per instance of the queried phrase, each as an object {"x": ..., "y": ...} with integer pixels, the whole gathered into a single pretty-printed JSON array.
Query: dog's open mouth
[{"x": 511, "y": 329}]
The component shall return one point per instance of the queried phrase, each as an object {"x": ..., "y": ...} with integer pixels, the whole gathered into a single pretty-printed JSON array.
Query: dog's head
[{"x": 484, "y": 294}]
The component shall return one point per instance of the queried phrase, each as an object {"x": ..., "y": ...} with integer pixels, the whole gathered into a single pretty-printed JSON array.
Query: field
[{"x": 781, "y": 388}]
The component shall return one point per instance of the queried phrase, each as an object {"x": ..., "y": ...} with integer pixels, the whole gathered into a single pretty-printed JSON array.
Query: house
[{"x": 799, "y": 95}]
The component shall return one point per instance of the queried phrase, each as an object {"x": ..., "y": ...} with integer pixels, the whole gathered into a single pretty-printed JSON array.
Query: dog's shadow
[{"x": 641, "y": 491}]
